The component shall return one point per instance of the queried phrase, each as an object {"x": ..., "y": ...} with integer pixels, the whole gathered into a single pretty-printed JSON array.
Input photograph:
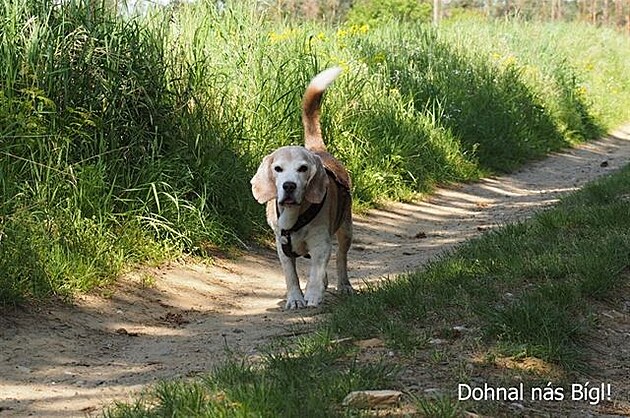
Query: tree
[{"x": 436, "y": 11}]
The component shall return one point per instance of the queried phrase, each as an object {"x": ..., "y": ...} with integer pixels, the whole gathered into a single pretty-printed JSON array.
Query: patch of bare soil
[
  {"x": 609, "y": 351},
  {"x": 181, "y": 320}
]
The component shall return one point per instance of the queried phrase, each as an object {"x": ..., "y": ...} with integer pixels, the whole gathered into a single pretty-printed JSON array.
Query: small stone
[
  {"x": 370, "y": 343},
  {"x": 372, "y": 398},
  {"x": 23, "y": 369}
]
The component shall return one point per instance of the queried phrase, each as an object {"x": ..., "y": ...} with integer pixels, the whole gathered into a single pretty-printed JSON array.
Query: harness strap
[{"x": 303, "y": 220}]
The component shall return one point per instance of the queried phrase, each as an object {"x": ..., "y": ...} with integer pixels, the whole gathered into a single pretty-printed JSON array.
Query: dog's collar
[{"x": 302, "y": 220}]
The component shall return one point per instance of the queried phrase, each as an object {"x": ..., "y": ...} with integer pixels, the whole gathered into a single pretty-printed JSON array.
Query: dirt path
[{"x": 178, "y": 320}]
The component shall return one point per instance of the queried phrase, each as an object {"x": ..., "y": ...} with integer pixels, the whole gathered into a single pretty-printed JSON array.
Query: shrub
[{"x": 375, "y": 12}]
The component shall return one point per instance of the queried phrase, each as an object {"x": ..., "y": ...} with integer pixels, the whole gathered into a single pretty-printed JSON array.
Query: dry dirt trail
[{"x": 60, "y": 360}]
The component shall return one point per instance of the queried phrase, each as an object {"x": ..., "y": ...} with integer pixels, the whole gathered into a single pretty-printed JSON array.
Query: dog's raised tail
[{"x": 310, "y": 108}]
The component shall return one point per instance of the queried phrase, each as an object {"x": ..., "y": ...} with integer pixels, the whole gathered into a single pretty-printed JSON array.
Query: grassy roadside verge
[{"x": 524, "y": 291}]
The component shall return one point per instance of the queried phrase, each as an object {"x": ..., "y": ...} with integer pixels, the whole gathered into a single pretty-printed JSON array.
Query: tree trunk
[{"x": 436, "y": 12}]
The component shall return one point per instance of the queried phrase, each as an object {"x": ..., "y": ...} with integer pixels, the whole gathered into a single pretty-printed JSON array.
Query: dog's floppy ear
[
  {"x": 317, "y": 183},
  {"x": 263, "y": 186}
]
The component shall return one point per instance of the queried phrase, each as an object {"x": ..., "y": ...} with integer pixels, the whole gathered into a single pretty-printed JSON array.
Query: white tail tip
[{"x": 322, "y": 80}]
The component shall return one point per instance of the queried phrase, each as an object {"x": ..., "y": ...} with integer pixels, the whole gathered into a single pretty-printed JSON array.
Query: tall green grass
[
  {"x": 130, "y": 138},
  {"x": 572, "y": 65}
]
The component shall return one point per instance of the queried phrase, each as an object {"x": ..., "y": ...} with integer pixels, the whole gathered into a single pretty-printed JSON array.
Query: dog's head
[{"x": 291, "y": 175}]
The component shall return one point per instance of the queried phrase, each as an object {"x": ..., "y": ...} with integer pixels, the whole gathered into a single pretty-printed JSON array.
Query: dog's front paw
[
  {"x": 313, "y": 298},
  {"x": 295, "y": 302}
]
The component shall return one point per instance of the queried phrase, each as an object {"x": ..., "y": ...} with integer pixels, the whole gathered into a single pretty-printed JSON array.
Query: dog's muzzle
[{"x": 289, "y": 188}]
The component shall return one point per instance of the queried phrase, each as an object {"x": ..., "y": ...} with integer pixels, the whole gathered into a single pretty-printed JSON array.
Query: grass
[
  {"x": 127, "y": 139},
  {"x": 583, "y": 77},
  {"x": 288, "y": 382},
  {"x": 527, "y": 283},
  {"x": 528, "y": 287}
]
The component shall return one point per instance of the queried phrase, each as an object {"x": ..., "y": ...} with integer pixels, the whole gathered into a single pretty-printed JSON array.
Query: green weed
[
  {"x": 439, "y": 407},
  {"x": 289, "y": 383}
]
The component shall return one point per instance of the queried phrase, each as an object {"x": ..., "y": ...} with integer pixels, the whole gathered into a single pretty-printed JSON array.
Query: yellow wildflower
[
  {"x": 580, "y": 91},
  {"x": 509, "y": 61},
  {"x": 282, "y": 36}
]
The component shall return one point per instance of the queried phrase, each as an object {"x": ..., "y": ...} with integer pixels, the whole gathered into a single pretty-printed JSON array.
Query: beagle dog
[{"x": 307, "y": 192}]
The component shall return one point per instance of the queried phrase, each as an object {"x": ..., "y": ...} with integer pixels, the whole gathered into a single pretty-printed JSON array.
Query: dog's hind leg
[{"x": 344, "y": 240}]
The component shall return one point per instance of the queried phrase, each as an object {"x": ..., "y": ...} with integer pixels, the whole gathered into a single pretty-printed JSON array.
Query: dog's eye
[
  {"x": 277, "y": 169},
  {"x": 302, "y": 169}
]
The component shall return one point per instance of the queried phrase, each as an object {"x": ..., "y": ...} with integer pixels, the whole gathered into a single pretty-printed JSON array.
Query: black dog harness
[
  {"x": 302, "y": 220},
  {"x": 335, "y": 173}
]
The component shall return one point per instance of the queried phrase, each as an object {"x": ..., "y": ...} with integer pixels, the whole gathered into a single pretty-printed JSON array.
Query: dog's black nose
[{"x": 289, "y": 186}]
